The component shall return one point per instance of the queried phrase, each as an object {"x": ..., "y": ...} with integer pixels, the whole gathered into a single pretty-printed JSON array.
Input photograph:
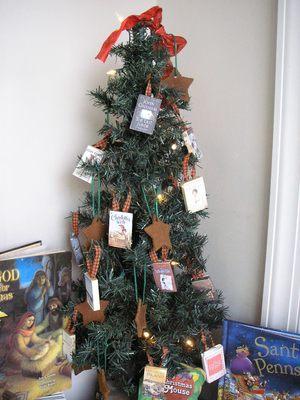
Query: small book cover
[
  {"x": 76, "y": 248},
  {"x": 92, "y": 292},
  {"x": 194, "y": 195},
  {"x": 154, "y": 382},
  {"x": 32, "y": 292},
  {"x": 186, "y": 385},
  {"x": 91, "y": 155},
  {"x": 213, "y": 363},
  {"x": 164, "y": 276},
  {"x": 191, "y": 144},
  {"x": 261, "y": 363},
  {"x": 145, "y": 114},
  {"x": 120, "y": 229},
  {"x": 69, "y": 344},
  {"x": 205, "y": 283}
]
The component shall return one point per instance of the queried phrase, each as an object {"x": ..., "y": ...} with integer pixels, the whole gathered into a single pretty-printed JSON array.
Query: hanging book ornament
[
  {"x": 164, "y": 276},
  {"x": 154, "y": 382},
  {"x": 194, "y": 193},
  {"x": 145, "y": 112},
  {"x": 190, "y": 142},
  {"x": 213, "y": 361},
  {"x": 203, "y": 282},
  {"x": 91, "y": 282},
  {"x": 120, "y": 225},
  {"x": 93, "y": 156}
]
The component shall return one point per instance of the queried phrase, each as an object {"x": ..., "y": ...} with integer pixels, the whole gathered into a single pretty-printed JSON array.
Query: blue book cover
[{"x": 261, "y": 363}]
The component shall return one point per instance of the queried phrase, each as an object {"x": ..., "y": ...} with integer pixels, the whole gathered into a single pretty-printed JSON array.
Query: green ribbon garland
[
  {"x": 135, "y": 284},
  {"x": 146, "y": 200},
  {"x": 144, "y": 284},
  {"x": 98, "y": 195},
  {"x": 105, "y": 356},
  {"x": 93, "y": 195}
]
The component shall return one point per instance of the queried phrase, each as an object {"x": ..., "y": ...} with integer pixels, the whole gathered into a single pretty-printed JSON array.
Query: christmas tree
[{"x": 151, "y": 311}]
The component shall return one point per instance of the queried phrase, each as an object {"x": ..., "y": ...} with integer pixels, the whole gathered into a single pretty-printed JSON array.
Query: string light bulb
[
  {"x": 160, "y": 197},
  {"x": 174, "y": 263},
  {"x": 174, "y": 146},
  {"x": 189, "y": 343},
  {"x": 146, "y": 334},
  {"x": 111, "y": 72}
]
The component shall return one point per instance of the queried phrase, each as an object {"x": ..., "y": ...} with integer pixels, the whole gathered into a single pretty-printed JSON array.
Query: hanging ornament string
[
  {"x": 165, "y": 352},
  {"x": 102, "y": 143},
  {"x": 93, "y": 266},
  {"x": 116, "y": 204},
  {"x": 185, "y": 169},
  {"x": 148, "y": 91},
  {"x": 204, "y": 334},
  {"x": 75, "y": 222},
  {"x": 164, "y": 254},
  {"x": 94, "y": 210},
  {"x": 174, "y": 181}
]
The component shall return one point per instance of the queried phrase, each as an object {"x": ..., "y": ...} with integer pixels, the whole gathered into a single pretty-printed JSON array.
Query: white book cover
[
  {"x": 190, "y": 141},
  {"x": 92, "y": 292},
  {"x": 194, "y": 195},
  {"x": 91, "y": 155},
  {"x": 69, "y": 343},
  {"x": 120, "y": 229},
  {"x": 213, "y": 363}
]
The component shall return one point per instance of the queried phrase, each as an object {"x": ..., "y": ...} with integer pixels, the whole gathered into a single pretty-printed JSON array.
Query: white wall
[
  {"x": 231, "y": 56},
  {"x": 47, "y": 66}
]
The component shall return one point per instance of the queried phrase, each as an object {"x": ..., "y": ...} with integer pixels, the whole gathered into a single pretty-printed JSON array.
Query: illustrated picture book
[
  {"x": 32, "y": 291},
  {"x": 261, "y": 363}
]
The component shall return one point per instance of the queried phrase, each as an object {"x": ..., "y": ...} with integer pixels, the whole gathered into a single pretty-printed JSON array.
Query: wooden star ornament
[
  {"x": 95, "y": 231},
  {"x": 103, "y": 386},
  {"x": 159, "y": 233},
  {"x": 140, "y": 318},
  {"x": 89, "y": 315},
  {"x": 178, "y": 82}
]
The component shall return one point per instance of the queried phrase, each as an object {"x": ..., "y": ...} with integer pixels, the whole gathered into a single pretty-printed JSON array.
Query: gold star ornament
[
  {"x": 178, "y": 82},
  {"x": 159, "y": 233}
]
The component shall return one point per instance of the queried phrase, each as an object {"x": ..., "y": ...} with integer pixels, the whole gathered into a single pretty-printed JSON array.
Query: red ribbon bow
[{"x": 153, "y": 17}]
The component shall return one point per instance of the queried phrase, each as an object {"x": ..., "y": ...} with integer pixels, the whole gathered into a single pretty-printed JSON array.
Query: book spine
[{"x": 225, "y": 347}]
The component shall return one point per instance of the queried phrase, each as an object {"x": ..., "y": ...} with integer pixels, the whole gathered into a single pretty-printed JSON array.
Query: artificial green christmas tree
[{"x": 157, "y": 318}]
